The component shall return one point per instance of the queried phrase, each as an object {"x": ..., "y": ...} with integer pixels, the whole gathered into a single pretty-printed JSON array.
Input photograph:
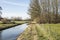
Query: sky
[{"x": 15, "y": 8}]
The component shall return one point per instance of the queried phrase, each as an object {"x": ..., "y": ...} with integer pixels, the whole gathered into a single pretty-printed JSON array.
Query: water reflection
[
  {"x": 12, "y": 33},
  {"x": 0, "y": 35}
]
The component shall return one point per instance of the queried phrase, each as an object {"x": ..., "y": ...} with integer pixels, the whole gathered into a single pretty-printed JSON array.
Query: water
[{"x": 12, "y": 33}]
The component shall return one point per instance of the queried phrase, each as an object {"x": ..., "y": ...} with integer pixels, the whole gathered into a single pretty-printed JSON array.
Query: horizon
[{"x": 15, "y": 8}]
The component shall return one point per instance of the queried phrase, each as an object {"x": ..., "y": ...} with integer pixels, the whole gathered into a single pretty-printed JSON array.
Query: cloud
[{"x": 16, "y": 4}]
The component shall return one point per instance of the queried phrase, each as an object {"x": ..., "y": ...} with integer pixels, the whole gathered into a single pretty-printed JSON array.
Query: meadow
[{"x": 41, "y": 32}]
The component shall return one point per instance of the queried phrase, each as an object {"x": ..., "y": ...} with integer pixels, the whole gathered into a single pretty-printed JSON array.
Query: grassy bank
[
  {"x": 5, "y": 26},
  {"x": 41, "y": 32}
]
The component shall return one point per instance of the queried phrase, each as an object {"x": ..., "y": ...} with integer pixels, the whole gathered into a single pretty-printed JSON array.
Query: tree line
[{"x": 44, "y": 11}]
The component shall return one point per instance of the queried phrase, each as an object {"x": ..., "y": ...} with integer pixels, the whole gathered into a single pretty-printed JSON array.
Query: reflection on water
[{"x": 13, "y": 33}]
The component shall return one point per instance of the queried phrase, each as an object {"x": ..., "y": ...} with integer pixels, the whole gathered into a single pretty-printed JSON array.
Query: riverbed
[{"x": 12, "y": 33}]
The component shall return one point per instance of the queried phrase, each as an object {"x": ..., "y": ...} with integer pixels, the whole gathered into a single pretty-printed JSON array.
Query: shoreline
[{"x": 10, "y": 26}]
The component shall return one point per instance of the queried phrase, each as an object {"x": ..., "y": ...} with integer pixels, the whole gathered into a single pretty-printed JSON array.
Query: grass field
[{"x": 41, "y": 32}]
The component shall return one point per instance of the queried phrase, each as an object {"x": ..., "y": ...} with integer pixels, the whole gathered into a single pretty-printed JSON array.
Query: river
[{"x": 12, "y": 33}]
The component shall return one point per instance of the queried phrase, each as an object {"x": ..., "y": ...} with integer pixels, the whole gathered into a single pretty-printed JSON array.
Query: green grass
[
  {"x": 53, "y": 27},
  {"x": 52, "y": 30},
  {"x": 44, "y": 32},
  {"x": 2, "y": 26}
]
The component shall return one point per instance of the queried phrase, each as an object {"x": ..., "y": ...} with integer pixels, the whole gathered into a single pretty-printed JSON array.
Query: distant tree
[
  {"x": 16, "y": 18},
  {"x": 0, "y": 8},
  {"x": 0, "y": 12},
  {"x": 5, "y": 20}
]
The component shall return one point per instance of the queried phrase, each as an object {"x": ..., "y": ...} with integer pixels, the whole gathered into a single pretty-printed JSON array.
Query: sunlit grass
[
  {"x": 11, "y": 24},
  {"x": 44, "y": 32},
  {"x": 53, "y": 29},
  {"x": 6, "y": 25}
]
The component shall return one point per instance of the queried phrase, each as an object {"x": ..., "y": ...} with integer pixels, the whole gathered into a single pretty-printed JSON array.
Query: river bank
[
  {"x": 41, "y": 32},
  {"x": 6, "y": 26},
  {"x": 12, "y": 33}
]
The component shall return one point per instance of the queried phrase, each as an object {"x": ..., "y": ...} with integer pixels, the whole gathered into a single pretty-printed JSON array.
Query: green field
[
  {"x": 50, "y": 31},
  {"x": 41, "y": 32},
  {"x": 53, "y": 27}
]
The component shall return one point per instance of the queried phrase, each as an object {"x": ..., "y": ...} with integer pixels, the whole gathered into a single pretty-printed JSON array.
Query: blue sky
[{"x": 15, "y": 8}]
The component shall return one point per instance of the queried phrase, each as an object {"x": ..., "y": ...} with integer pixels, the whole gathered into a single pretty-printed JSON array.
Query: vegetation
[
  {"x": 41, "y": 32},
  {"x": 21, "y": 22},
  {"x": 34, "y": 9},
  {"x": 0, "y": 12},
  {"x": 44, "y": 11},
  {"x": 41, "y": 11},
  {"x": 6, "y": 25},
  {"x": 16, "y": 18}
]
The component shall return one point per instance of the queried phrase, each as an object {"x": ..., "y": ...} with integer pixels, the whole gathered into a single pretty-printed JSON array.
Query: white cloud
[{"x": 16, "y": 4}]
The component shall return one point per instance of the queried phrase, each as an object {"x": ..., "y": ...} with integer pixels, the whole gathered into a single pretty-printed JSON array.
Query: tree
[
  {"x": 16, "y": 18},
  {"x": 56, "y": 6},
  {"x": 0, "y": 12},
  {"x": 45, "y": 11},
  {"x": 0, "y": 8},
  {"x": 34, "y": 9},
  {"x": 55, "y": 10},
  {"x": 51, "y": 7}
]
